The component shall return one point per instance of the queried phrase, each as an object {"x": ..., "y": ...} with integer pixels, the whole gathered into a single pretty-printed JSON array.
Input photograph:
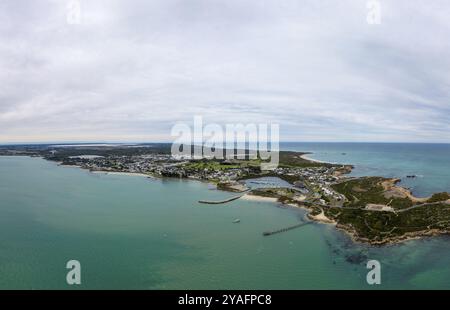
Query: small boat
[{"x": 237, "y": 221}]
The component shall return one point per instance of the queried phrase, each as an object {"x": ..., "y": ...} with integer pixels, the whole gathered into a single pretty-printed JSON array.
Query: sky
[{"x": 128, "y": 71}]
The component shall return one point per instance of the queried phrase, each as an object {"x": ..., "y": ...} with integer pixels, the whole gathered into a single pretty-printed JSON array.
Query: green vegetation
[
  {"x": 439, "y": 197},
  {"x": 363, "y": 212},
  {"x": 363, "y": 191},
  {"x": 381, "y": 226},
  {"x": 289, "y": 178},
  {"x": 220, "y": 165},
  {"x": 290, "y": 159},
  {"x": 63, "y": 153},
  {"x": 287, "y": 159},
  {"x": 315, "y": 211},
  {"x": 210, "y": 165},
  {"x": 284, "y": 195}
]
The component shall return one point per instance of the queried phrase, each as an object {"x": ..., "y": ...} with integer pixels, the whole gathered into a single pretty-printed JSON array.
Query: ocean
[
  {"x": 430, "y": 163},
  {"x": 131, "y": 232}
]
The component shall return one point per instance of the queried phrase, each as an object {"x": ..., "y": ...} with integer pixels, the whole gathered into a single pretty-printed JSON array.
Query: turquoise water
[
  {"x": 137, "y": 233},
  {"x": 429, "y": 162}
]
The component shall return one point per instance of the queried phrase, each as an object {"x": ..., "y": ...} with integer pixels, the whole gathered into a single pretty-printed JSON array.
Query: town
[
  {"x": 311, "y": 181},
  {"x": 370, "y": 209}
]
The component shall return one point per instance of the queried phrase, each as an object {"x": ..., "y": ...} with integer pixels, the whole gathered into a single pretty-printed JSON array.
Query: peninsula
[{"x": 373, "y": 210}]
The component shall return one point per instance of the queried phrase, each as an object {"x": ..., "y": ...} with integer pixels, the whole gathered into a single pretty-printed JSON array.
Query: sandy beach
[
  {"x": 321, "y": 218},
  {"x": 305, "y": 156},
  {"x": 258, "y": 198},
  {"x": 123, "y": 173}
]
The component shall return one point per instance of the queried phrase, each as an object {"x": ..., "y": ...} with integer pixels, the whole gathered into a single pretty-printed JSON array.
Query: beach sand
[
  {"x": 321, "y": 218},
  {"x": 258, "y": 198},
  {"x": 305, "y": 156},
  {"x": 123, "y": 173}
]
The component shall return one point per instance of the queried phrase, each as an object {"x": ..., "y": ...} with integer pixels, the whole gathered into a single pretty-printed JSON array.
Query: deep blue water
[{"x": 429, "y": 162}]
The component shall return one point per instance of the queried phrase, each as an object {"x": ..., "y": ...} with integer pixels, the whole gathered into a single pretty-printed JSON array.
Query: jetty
[
  {"x": 220, "y": 201},
  {"x": 273, "y": 232}
]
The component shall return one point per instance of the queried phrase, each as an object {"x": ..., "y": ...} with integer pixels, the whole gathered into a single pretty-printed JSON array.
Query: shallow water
[{"x": 139, "y": 233}]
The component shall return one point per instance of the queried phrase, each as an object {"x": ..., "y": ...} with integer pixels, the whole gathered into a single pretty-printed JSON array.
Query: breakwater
[
  {"x": 220, "y": 201},
  {"x": 273, "y": 232}
]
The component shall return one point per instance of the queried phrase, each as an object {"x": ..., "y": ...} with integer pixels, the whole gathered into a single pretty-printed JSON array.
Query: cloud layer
[{"x": 132, "y": 69}]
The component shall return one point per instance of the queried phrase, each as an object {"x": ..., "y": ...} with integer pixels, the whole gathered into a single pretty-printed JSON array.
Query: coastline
[
  {"x": 252, "y": 197},
  {"x": 391, "y": 185},
  {"x": 106, "y": 172},
  {"x": 132, "y": 174},
  {"x": 410, "y": 236},
  {"x": 306, "y": 157},
  {"x": 318, "y": 218},
  {"x": 321, "y": 218}
]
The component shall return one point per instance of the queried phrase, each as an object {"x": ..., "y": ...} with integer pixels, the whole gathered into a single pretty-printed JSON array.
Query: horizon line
[{"x": 165, "y": 142}]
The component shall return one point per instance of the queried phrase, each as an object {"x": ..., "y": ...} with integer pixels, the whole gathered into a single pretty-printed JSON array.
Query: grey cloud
[{"x": 132, "y": 69}]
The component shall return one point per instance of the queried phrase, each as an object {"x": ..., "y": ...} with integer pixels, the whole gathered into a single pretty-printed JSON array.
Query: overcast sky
[{"x": 132, "y": 69}]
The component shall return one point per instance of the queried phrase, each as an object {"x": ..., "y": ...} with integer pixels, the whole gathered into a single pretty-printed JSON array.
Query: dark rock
[{"x": 357, "y": 258}]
